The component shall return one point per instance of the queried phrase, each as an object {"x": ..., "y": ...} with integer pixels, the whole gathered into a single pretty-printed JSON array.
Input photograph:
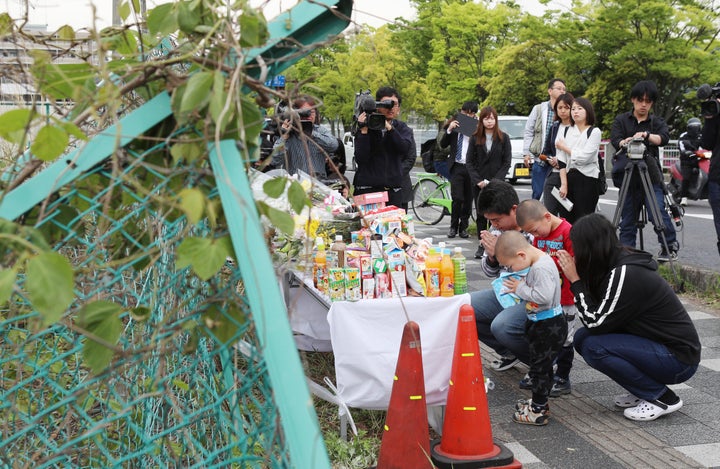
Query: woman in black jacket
[
  {"x": 636, "y": 331},
  {"x": 488, "y": 158}
]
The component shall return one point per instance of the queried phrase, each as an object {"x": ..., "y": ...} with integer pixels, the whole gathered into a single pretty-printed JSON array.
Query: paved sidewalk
[{"x": 586, "y": 430}]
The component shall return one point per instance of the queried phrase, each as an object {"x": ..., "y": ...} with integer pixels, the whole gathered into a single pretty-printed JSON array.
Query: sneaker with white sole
[
  {"x": 650, "y": 410},
  {"x": 560, "y": 386},
  {"x": 526, "y": 382},
  {"x": 504, "y": 363},
  {"x": 626, "y": 400},
  {"x": 527, "y": 413}
]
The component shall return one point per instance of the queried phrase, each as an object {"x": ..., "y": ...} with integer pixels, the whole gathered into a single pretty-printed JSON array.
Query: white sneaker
[
  {"x": 683, "y": 201},
  {"x": 646, "y": 411},
  {"x": 626, "y": 400}
]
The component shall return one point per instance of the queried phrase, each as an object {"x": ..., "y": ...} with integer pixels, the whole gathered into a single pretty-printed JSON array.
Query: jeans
[
  {"x": 503, "y": 330},
  {"x": 714, "y": 199},
  {"x": 634, "y": 200},
  {"x": 538, "y": 173},
  {"x": 641, "y": 366}
]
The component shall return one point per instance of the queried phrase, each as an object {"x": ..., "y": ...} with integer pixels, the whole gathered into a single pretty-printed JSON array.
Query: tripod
[{"x": 650, "y": 203}]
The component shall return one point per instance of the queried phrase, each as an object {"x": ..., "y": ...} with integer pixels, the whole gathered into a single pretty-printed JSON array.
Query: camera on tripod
[
  {"x": 364, "y": 102},
  {"x": 709, "y": 95},
  {"x": 636, "y": 149}
]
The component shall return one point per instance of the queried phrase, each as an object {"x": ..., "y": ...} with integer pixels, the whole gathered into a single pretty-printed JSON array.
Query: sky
[{"x": 78, "y": 13}]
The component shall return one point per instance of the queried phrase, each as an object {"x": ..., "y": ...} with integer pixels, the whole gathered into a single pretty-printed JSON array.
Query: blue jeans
[
  {"x": 503, "y": 330},
  {"x": 714, "y": 199},
  {"x": 631, "y": 214},
  {"x": 538, "y": 174},
  {"x": 641, "y": 366}
]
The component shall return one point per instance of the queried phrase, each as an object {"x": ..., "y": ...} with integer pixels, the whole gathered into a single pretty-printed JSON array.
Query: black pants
[
  {"x": 583, "y": 192},
  {"x": 688, "y": 170},
  {"x": 545, "y": 338},
  {"x": 461, "y": 190},
  {"x": 551, "y": 203}
]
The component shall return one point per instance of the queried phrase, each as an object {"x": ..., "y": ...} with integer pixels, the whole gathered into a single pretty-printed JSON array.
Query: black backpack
[{"x": 426, "y": 153}]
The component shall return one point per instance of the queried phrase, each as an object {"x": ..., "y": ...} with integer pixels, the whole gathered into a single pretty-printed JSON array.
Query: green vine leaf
[
  {"x": 49, "y": 284},
  {"x": 65, "y": 33},
  {"x": 102, "y": 319},
  {"x": 283, "y": 221},
  {"x": 297, "y": 197},
  {"x": 275, "y": 187},
  {"x": 223, "y": 324},
  {"x": 50, "y": 143},
  {"x": 205, "y": 256},
  {"x": 197, "y": 93},
  {"x": 187, "y": 151},
  {"x": 253, "y": 27},
  {"x": 13, "y": 124},
  {"x": 192, "y": 202},
  {"x": 162, "y": 20},
  {"x": 187, "y": 17},
  {"x": 7, "y": 283},
  {"x": 6, "y": 24}
]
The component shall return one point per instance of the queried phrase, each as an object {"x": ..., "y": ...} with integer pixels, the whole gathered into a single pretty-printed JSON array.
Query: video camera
[
  {"x": 301, "y": 116},
  {"x": 364, "y": 102},
  {"x": 709, "y": 95}
]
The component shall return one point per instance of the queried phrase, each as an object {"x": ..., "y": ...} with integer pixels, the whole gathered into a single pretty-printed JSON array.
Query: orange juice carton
[
  {"x": 353, "y": 291},
  {"x": 336, "y": 284},
  {"x": 368, "y": 288}
]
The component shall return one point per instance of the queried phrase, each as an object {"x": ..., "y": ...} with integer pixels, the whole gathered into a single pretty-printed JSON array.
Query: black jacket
[
  {"x": 626, "y": 125},
  {"x": 711, "y": 141},
  {"x": 494, "y": 164},
  {"x": 637, "y": 300},
  {"x": 450, "y": 140},
  {"x": 383, "y": 158}
]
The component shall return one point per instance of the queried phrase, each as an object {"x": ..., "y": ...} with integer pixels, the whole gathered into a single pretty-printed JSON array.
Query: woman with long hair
[
  {"x": 636, "y": 331},
  {"x": 488, "y": 158},
  {"x": 557, "y": 159},
  {"x": 582, "y": 143}
]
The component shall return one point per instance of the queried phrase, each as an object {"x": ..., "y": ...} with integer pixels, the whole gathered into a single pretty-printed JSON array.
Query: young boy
[
  {"x": 550, "y": 234},
  {"x": 545, "y": 325}
]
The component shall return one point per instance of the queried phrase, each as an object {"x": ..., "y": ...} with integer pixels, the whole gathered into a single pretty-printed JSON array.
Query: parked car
[{"x": 514, "y": 126}]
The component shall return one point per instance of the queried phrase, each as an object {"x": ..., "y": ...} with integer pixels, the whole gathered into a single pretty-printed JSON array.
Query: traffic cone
[
  {"x": 406, "y": 440},
  {"x": 467, "y": 439}
]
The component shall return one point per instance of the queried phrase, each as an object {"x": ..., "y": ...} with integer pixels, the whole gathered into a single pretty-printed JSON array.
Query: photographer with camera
[
  {"x": 384, "y": 148},
  {"x": 639, "y": 124},
  {"x": 303, "y": 144},
  {"x": 710, "y": 109}
]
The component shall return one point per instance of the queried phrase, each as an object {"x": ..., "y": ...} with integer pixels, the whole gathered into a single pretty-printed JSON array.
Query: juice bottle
[
  {"x": 339, "y": 247},
  {"x": 447, "y": 287},
  {"x": 320, "y": 276},
  {"x": 460, "y": 276},
  {"x": 432, "y": 273}
]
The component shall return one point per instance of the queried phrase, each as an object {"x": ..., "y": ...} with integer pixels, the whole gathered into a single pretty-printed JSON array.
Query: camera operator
[
  {"x": 688, "y": 144},
  {"x": 385, "y": 156},
  {"x": 303, "y": 144},
  {"x": 653, "y": 130},
  {"x": 711, "y": 140}
]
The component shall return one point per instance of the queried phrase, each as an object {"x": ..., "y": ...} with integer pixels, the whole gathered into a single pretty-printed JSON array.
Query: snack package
[
  {"x": 336, "y": 284},
  {"x": 353, "y": 291}
]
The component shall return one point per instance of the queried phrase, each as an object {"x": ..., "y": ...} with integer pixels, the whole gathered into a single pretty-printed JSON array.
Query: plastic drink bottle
[
  {"x": 339, "y": 247},
  {"x": 460, "y": 275},
  {"x": 447, "y": 287},
  {"x": 432, "y": 273},
  {"x": 320, "y": 277}
]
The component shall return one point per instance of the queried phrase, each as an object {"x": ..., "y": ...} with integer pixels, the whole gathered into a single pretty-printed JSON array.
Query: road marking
[{"x": 691, "y": 215}]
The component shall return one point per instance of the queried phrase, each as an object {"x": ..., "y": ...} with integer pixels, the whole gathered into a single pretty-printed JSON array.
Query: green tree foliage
[{"x": 502, "y": 56}]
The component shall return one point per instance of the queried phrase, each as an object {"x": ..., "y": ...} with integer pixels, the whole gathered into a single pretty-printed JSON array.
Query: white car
[{"x": 514, "y": 126}]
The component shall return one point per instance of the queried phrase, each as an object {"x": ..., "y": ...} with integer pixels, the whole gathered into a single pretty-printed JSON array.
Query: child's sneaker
[
  {"x": 528, "y": 413},
  {"x": 560, "y": 387},
  {"x": 526, "y": 382}
]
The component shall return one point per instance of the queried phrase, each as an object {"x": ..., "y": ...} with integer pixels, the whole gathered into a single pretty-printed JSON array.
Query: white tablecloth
[{"x": 366, "y": 338}]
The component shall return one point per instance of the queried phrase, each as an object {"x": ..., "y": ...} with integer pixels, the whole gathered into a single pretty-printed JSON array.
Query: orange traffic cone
[
  {"x": 467, "y": 434},
  {"x": 406, "y": 441}
]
